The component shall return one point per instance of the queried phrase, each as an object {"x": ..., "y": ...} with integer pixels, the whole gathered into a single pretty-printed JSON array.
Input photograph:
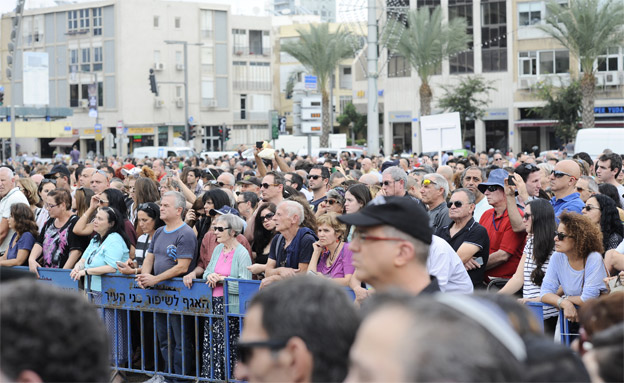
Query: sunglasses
[
  {"x": 493, "y": 188},
  {"x": 561, "y": 236},
  {"x": 102, "y": 201},
  {"x": 580, "y": 190},
  {"x": 221, "y": 229},
  {"x": 268, "y": 216},
  {"x": 590, "y": 208},
  {"x": 221, "y": 184},
  {"x": 387, "y": 183},
  {"x": 332, "y": 202},
  {"x": 457, "y": 204},
  {"x": 48, "y": 181},
  {"x": 245, "y": 349},
  {"x": 266, "y": 186},
  {"x": 315, "y": 177},
  {"x": 559, "y": 174}
]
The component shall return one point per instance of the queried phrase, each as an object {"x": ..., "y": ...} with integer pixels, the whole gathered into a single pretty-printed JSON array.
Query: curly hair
[
  {"x": 610, "y": 222},
  {"x": 24, "y": 219},
  {"x": 587, "y": 236},
  {"x": 147, "y": 172}
]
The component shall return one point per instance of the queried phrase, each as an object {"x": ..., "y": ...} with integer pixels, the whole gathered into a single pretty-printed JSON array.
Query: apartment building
[
  {"x": 325, "y": 9},
  {"x": 114, "y": 44},
  {"x": 509, "y": 51}
]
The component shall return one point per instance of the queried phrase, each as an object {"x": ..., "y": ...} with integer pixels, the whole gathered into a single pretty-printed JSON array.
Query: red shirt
[{"x": 502, "y": 237}]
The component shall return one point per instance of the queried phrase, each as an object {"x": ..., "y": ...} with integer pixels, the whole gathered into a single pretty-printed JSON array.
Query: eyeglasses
[
  {"x": 580, "y": 190},
  {"x": 222, "y": 184},
  {"x": 332, "y": 202},
  {"x": 48, "y": 181},
  {"x": 102, "y": 201},
  {"x": 144, "y": 206},
  {"x": 268, "y": 216},
  {"x": 498, "y": 159},
  {"x": 457, "y": 204},
  {"x": 221, "y": 229},
  {"x": 245, "y": 348},
  {"x": 266, "y": 186},
  {"x": 527, "y": 216},
  {"x": 388, "y": 183},
  {"x": 591, "y": 207},
  {"x": 427, "y": 182},
  {"x": 530, "y": 167},
  {"x": 51, "y": 206},
  {"x": 365, "y": 237},
  {"x": 561, "y": 236},
  {"x": 493, "y": 188},
  {"x": 559, "y": 174},
  {"x": 314, "y": 177}
]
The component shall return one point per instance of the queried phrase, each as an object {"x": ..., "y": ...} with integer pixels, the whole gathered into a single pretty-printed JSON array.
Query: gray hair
[
  {"x": 230, "y": 177},
  {"x": 546, "y": 168},
  {"x": 592, "y": 185},
  {"x": 180, "y": 201},
  {"x": 397, "y": 174},
  {"x": 421, "y": 249},
  {"x": 440, "y": 181},
  {"x": 471, "y": 196},
  {"x": 234, "y": 222},
  {"x": 334, "y": 194},
  {"x": 482, "y": 170},
  {"x": 292, "y": 208},
  {"x": 335, "y": 175}
]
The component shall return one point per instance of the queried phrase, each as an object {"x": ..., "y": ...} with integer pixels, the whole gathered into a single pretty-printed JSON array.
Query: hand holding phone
[{"x": 510, "y": 180}]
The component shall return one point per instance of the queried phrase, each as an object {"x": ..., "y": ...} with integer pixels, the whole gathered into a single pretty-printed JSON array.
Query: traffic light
[
  {"x": 191, "y": 132},
  {"x": 227, "y": 133},
  {"x": 1, "y": 95},
  {"x": 152, "y": 80}
]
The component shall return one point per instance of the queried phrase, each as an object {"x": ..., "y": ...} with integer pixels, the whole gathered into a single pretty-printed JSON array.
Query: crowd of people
[{"x": 400, "y": 232}]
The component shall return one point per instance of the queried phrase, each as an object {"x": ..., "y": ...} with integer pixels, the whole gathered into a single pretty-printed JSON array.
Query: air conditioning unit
[
  {"x": 159, "y": 103},
  {"x": 84, "y": 104},
  {"x": 600, "y": 79},
  {"x": 179, "y": 102},
  {"x": 211, "y": 103},
  {"x": 611, "y": 79},
  {"x": 159, "y": 66},
  {"x": 179, "y": 66},
  {"x": 527, "y": 83}
]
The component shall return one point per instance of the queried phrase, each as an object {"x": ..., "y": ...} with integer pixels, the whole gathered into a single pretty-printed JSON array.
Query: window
[
  {"x": 207, "y": 65},
  {"x": 494, "y": 35},
  {"x": 239, "y": 42},
  {"x": 255, "y": 42},
  {"x": 85, "y": 60},
  {"x": 240, "y": 74},
  {"x": 207, "y": 93},
  {"x": 156, "y": 56},
  {"x": 97, "y": 59},
  {"x": 462, "y": 62},
  {"x": 74, "y": 96},
  {"x": 344, "y": 101},
  {"x": 259, "y": 76},
  {"x": 72, "y": 21},
  {"x": 177, "y": 22},
  {"x": 156, "y": 21},
  {"x": 179, "y": 60},
  {"x": 97, "y": 21},
  {"x": 608, "y": 62},
  {"x": 79, "y": 92},
  {"x": 73, "y": 60},
  {"x": 83, "y": 19},
  {"x": 530, "y": 13},
  {"x": 243, "y": 106},
  {"x": 528, "y": 63},
  {"x": 206, "y": 25},
  {"x": 398, "y": 66},
  {"x": 345, "y": 78},
  {"x": 178, "y": 91},
  {"x": 27, "y": 38}
]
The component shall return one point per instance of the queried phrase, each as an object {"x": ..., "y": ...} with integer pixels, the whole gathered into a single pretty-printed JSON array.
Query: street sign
[
  {"x": 98, "y": 132},
  {"x": 119, "y": 127},
  {"x": 310, "y": 82}
]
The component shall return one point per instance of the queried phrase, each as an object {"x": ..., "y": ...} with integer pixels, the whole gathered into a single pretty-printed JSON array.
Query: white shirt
[
  {"x": 481, "y": 208},
  {"x": 13, "y": 196},
  {"x": 444, "y": 264}
]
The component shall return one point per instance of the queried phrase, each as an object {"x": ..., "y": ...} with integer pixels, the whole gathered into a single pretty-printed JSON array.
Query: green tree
[
  {"x": 563, "y": 105},
  {"x": 469, "y": 98},
  {"x": 320, "y": 51},
  {"x": 587, "y": 28},
  {"x": 425, "y": 43},
  {"x": 351, "y": 118}
]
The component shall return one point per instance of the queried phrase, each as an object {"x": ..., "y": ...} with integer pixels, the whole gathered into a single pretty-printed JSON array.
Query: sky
[{"x": 347, "y": 9}]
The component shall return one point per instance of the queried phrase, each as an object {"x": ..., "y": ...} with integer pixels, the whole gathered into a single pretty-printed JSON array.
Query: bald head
[
  {"x": 37, "y": 178},
  {"x": 369, "y": 179},
  {"x": 570, "y": 167},
  {"x": 445, "y": 171}
]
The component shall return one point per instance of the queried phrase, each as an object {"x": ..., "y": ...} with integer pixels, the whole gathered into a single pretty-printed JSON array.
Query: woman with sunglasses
[
  {"x": 41, "y": 214},
  {"x": 108, "y": 249},
  {"x": 334, "y": 203},
  {"x": 230, "y": 259},
  {"x": 22, "y": 221},
  {"x": 576, "y": 265},
  {"x": 539, "y": 223},
  {"x": 601, "y": 210},
  {"x": 264, "y": 231},
  {"x": 331, "y": 256}
]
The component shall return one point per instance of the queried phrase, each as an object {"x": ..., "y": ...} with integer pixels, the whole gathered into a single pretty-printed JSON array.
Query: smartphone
[
  {"x": 479, "y": 260},
  {"x": 510, "y": 180},
  {"x": 119, "y": 263},
  {"x": 259, "y": 144}
]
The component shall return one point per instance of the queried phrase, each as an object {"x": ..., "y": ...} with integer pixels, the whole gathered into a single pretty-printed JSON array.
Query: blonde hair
[
  {"x": 30, "y": 190},
  {"x": 331, "y": 220}
]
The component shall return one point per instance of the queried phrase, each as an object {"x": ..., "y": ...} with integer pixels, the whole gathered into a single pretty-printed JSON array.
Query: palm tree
[
  {"x": 587, "y": 28},
  {"x": 426, "y": 42},
  {"x": 320, "y": 51}
]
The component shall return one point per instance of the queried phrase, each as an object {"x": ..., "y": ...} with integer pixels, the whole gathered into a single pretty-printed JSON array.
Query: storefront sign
[
  {"x": 496, "y": 114},
  {"x": 609, "y": 110},
  {"x": 400, "y": 116}
]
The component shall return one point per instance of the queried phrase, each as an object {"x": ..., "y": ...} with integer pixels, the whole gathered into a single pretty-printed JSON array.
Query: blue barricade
[
  {"x": 56, "y": 277},
  {"x": 537, "y": 308}
]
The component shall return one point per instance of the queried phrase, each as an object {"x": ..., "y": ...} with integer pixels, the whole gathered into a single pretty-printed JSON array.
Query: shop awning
[{"x": 63, "y": 141}]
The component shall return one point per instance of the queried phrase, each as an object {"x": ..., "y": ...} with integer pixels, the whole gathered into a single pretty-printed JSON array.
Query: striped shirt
[{"x": 530, "y": 289}]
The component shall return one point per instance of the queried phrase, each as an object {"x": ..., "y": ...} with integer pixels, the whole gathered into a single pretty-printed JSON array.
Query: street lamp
[{"x": 186, "y": 112}]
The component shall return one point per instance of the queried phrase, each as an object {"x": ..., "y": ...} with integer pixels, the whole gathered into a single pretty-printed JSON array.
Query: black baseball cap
[
  {"x": 402, "y": 213},
  {"x": 60, "y": 168}
]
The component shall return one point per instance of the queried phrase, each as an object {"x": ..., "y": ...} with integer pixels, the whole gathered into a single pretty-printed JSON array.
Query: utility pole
[
  {"x": 19, "y": 10},
  {"x": 372, "y": 117}
]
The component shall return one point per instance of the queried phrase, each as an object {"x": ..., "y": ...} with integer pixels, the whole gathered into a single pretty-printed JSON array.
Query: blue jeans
[{"x": 175, "y": 322}]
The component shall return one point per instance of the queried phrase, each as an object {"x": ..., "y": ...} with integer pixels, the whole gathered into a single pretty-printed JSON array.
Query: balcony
[
  {"x": 252, "y": 85},
  {"x": 245, "y": 115},
  {"x": 239, "y": 50}
]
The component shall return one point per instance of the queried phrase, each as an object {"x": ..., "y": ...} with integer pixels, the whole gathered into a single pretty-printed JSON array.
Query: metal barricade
[
  {"x": 567, "y": 334},
  {"x": 537, "y": 309}
]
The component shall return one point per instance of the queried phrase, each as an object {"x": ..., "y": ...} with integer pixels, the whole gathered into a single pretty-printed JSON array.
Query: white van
[
  {"x": 163, "y": 152},
  {"x": 594, "y": 141}
]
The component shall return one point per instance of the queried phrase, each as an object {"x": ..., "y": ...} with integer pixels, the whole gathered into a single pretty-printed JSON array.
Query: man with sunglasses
[
  {"x": 506, "y": 246},
  {"x": 563, "y": 185},
  {"x": 226, "y": 180},
  {"x": 61, "y": 174},
  {"x": 298, "y": 330},
  {"x": 318, "y": 181}
]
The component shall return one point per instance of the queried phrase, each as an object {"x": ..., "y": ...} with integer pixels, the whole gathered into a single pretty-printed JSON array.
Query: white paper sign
[
  {"x": 441, "y": 132},
  {"x": 36, "y": 78}
]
